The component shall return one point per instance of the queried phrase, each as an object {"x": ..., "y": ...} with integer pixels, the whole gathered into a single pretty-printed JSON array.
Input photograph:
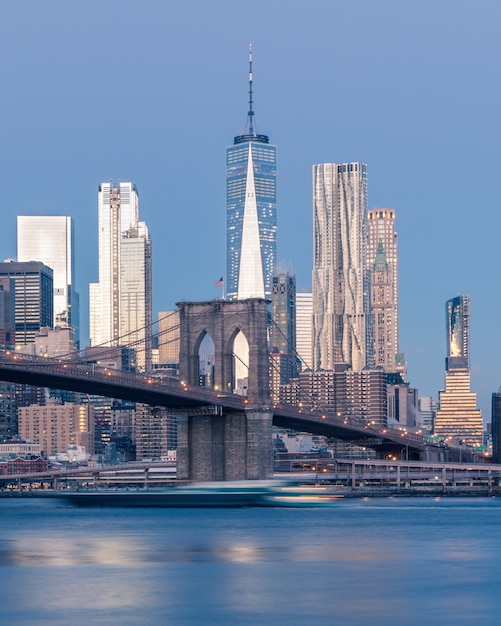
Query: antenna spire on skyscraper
[{"x": 251, "y": 112}]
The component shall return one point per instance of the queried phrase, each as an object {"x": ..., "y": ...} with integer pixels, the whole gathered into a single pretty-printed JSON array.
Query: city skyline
[{"x": 411, "y": 97}]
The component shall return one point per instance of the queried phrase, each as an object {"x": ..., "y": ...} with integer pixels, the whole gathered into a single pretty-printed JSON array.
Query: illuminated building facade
[
  {"x": 50, "y": 239},
  {"x": 382, "y": 265},
  {"x": 121, "y": 302},
  {"x": 458, "y": 416},
  {"x": 340, "y": 302}
]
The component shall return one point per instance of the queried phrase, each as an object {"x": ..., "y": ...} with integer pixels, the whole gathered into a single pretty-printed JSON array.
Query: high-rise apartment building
[
  {"x": 458, "y": 416},
  {"x": 304, "y": 314},
  {"x": 57, "y": 426},
  {"x": 50, "y": 239},
  {"x": 340, "y": 302},
  {"x": 457, "y": 319},
  {"x": 121, "y": 302},
  {"x": 33, "y": 297},
  {"x": 251, "y": 211},
  {"x": 382, "y": 266}
]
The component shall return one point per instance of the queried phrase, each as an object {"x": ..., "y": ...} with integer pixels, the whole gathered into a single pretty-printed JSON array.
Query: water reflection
[{"x": 363, "y": 563}]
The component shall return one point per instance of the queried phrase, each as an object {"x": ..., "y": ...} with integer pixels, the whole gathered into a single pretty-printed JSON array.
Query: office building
[
  {"x": 50, "y": 240},
  {"x": 33, "y": 297},
  {"x": 457, "y": 415},
  {"x": 382, "y": 265},
  {"x": 340, "y": 298},
  {"x": 427, "y": 412},
  {"x": 496, "y": 426},
  {"x": 121, "y": 302},
  {"x": 251, "y": 211},
  {"x": 283, "y": 323}
]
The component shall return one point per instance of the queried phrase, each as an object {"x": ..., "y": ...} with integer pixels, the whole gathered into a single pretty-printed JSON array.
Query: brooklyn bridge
[{"x": 221, "y": 435}]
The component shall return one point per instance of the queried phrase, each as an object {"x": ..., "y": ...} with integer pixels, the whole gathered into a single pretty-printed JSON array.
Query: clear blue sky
[{"x": 154, "y": 91}]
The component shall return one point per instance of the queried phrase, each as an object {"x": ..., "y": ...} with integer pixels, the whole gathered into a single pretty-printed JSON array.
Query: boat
[{"x": 204, "y": 495}]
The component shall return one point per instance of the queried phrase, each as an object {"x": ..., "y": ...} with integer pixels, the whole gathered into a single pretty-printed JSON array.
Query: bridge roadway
[{"x": 176, "y": 395}]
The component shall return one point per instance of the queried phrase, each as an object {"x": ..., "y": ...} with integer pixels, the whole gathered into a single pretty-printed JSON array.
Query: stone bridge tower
[{"x": 228, "y": 446}]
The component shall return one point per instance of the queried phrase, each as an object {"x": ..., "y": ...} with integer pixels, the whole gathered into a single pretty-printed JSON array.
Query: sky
[{"x": 154, "y": 91}]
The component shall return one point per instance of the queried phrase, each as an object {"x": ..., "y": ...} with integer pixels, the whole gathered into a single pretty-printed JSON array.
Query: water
[{"x": 409, "y": 561}]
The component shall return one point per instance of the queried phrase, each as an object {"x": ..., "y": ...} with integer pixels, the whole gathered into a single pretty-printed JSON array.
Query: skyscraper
[
  {"x": 50, "y": 239},
  {"x": 382, "y": 265},
  {"x": 457, "y": 319},
  {"x": 340, "y": 302},
  {"x": 251, "y": 211},
  {"x": 121, "y": 302},
  {"x": 458, "y": 416},
  {"x": 303, "y": 329},
  {"x": 283, "y": 322},
  {"x": 33, "y": 297}
]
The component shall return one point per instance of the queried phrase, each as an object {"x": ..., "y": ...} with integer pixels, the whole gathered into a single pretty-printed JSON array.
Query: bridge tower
[{"x": 229, "y": 445}]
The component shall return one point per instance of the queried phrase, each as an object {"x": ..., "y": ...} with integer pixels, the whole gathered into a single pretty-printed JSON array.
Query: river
[{"x": 388, "y": 561}]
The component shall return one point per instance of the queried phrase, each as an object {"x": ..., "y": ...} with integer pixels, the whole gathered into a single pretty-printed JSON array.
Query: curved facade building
[{"x": 340, "y": 289}]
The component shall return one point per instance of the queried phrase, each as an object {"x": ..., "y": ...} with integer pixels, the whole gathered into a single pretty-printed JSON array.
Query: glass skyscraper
[
  {"x": 33, "y": 296},
  {"x": 121, "y": 302},
  {"x": 251, "y": 212},
  {"x": 458, "y": 415},
  {"x": 50, "y": 240},
  {"x": 340, "y": 281},
  {"x": 457, "y": 319}
]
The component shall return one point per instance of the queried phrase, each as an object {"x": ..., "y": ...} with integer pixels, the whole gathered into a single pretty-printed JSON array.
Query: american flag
[{"x": 219, "y": 283}]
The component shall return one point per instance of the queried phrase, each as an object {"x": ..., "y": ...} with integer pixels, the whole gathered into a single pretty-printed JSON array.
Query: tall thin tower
[
  {"x": 382, "y": 265},
  {"x": 458, "y": 415},
  {"x": 121, "y": 302},
  {"x": 251, "y": 210},
  {"x": 340, "y": 298}
]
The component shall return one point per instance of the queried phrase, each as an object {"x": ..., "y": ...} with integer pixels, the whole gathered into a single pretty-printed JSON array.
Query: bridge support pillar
[{"x": 232, "y": 446}]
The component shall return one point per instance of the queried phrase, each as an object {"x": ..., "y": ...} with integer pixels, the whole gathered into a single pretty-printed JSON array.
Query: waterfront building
[
  {"x": 8, "y": 410},
  {"x": 121, "y": 302},
  {"x": 402, "y": 404},
  {"x": 156, "y": 432},
  {"x": 33, "y": 296},
  {"x": 355, "y": 396},
  {"x": 340, "y": 290},
  {"x": 382, "y": 265},
  {"x": 496, "y": 426},
  {"x": 57, "y": 426},
  {"x": 304, "y": 313},
  {"x": 458, "y": 416},
  {"x": 50, "y": 240},
  {"x": 427, "y": 412},
  {"x": 251, "y": 211}
]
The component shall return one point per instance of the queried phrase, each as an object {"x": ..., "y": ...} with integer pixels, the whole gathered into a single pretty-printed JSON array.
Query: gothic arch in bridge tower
[{"x": 224, "y": 321}]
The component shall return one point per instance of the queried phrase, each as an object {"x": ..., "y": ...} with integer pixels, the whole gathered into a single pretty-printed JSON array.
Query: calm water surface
[{"x": 409, "y": 561}]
